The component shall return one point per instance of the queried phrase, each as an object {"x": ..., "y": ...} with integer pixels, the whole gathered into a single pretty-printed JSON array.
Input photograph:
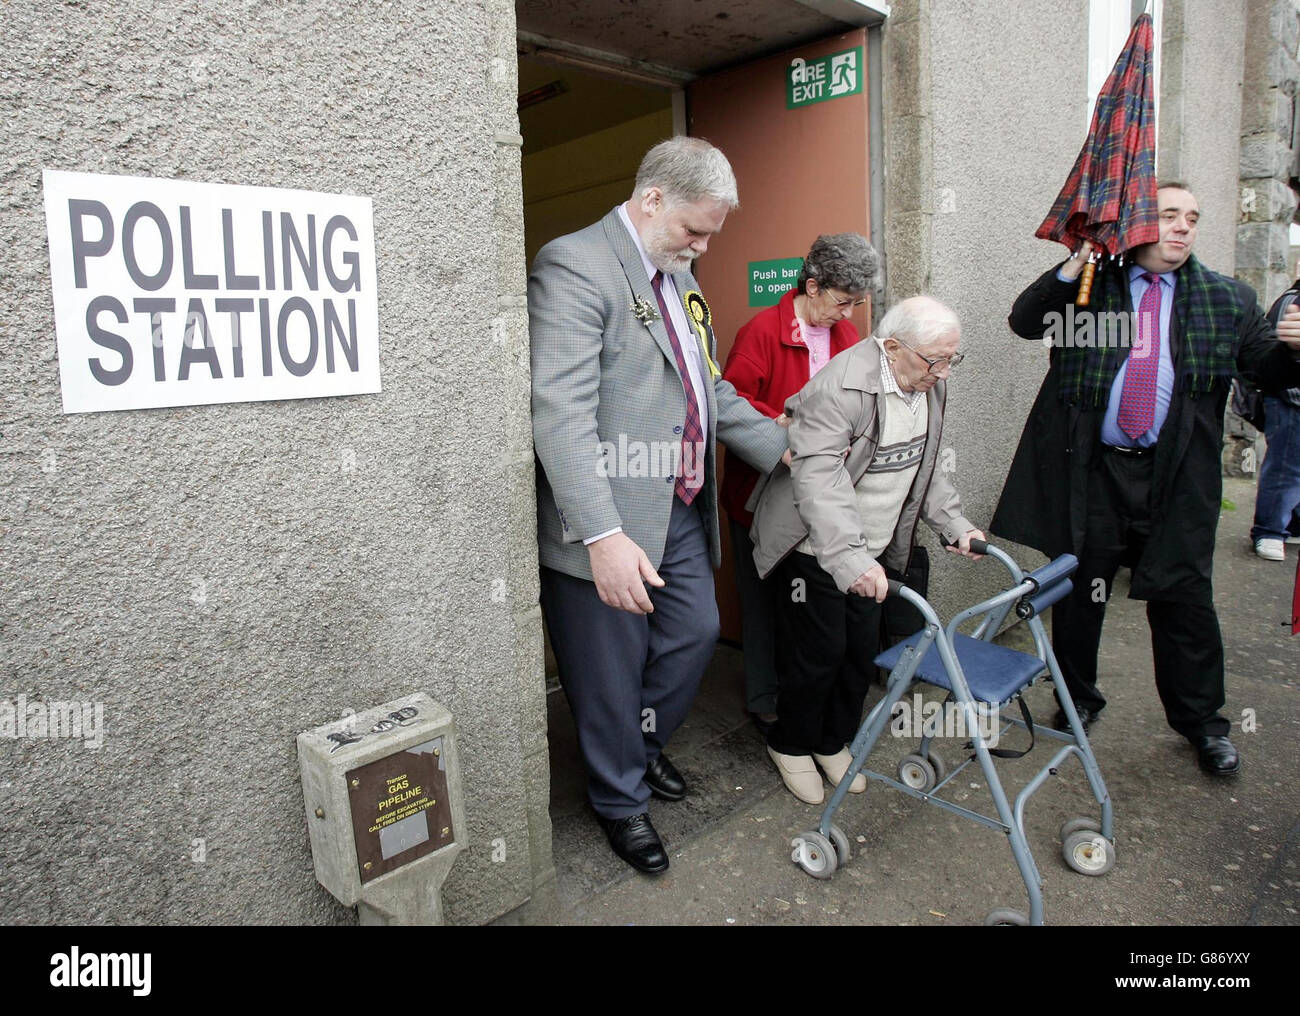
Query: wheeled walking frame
[{"x": 978, "y": 674}]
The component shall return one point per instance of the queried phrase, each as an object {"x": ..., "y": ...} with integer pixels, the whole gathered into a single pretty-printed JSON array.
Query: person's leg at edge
[
  {"x": 1277, "y": 496},
  {"x": 756, "y": 626}
]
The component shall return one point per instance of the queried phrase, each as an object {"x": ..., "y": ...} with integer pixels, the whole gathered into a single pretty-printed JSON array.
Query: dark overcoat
[{"x": 1044, "y": 501}]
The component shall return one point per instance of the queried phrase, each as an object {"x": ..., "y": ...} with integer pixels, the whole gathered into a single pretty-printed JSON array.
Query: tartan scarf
[{"x": 1204, "y": 302}]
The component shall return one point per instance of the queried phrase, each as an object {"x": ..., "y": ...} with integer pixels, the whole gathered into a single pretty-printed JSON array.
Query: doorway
[
  {"x": 589, "y": 108},
  {"x": 584, "y": 135}
]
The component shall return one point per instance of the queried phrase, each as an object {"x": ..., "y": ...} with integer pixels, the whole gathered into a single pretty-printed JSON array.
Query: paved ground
[{"x": 1191, "y": 850}]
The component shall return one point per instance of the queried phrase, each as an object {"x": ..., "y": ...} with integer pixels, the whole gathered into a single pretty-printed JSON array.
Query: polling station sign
[{"x": 176, "y": 293}]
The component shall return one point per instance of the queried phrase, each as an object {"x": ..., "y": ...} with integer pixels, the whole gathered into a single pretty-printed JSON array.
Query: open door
[{"x": 795, "y": 127}]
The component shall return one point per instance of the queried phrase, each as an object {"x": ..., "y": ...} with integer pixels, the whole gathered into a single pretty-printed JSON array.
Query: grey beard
[{"x": 671, "y": 264}]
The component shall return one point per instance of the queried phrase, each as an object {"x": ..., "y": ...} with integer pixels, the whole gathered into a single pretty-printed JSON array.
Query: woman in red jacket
[{"x": 774, "y": 355}]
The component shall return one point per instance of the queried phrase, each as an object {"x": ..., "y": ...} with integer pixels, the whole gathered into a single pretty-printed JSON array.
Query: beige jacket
[{"x": 839, "y": 409}]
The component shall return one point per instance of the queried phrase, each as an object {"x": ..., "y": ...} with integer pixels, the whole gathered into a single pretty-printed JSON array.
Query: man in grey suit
[{"x": 627, "y": 404}]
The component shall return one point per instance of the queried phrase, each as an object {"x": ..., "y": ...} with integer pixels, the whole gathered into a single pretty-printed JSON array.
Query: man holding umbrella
[{"x": 1119, "y": 462}]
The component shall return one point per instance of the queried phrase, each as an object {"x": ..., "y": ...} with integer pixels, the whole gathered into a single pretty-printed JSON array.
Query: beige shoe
[
  {"x": 800, "y": 776},
  {"x": 837, "y": 765}
]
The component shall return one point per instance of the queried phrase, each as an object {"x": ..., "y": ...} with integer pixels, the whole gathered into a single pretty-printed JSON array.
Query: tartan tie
[
  {"x": 690, "y": 477},
  {"x": 1137, "y": 400}
]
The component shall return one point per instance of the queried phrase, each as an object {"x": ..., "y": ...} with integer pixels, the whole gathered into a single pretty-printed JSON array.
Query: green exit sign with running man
[{"x": 822, "y": 78}]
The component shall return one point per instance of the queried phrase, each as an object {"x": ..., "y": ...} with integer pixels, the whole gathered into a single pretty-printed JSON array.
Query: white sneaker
[
  {"x": 1270, "y": 549},
  {"x": 1293, "y": 540},
  {"x": 800, "y": 776},
  {"x": 835, "y": 766}
]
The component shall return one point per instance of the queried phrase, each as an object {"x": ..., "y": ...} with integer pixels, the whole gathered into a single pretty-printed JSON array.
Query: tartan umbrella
[{"x": 1110, "y": 196}]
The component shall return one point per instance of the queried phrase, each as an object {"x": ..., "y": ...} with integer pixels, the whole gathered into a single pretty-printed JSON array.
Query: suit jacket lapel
[{"x": 638, "y": 282}]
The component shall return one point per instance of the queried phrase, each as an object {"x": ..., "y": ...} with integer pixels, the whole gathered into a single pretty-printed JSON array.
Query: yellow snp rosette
[{"x": 701, "y": 318}]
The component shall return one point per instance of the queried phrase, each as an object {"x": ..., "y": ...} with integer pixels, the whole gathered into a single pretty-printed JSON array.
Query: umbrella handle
[{"x": 1085, "y": 284}]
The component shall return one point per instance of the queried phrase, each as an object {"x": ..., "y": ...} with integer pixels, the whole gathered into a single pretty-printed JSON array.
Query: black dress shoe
[
  {"x": 664, "y": 781},
  {"x": 634, "y": 839},
  {"x": 1217, "y": 755},
  {"x": 1087, "y": 717}
]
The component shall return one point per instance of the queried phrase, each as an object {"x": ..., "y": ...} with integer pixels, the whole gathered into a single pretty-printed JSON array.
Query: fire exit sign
[{"x": 822, "y": 78}]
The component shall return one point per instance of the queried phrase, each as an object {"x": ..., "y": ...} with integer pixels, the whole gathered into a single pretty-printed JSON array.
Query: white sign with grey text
[{"x": 176, "y": 293}]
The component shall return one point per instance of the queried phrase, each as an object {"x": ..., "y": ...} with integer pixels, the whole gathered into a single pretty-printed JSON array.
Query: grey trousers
[{"x": 631, "y": 678}]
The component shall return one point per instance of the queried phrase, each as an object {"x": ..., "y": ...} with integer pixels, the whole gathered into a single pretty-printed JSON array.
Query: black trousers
[
  {"x": 826, "y": 644},
  {"x": 1186, "y": 643},
  {"x": 756, "y": 625}
]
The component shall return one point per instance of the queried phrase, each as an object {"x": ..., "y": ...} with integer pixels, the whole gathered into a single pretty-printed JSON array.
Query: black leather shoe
[
  {"x": 1217, "y": 755},
  {"x": 634, "y": 839},
  {"x": 664, "y": 781},
  {"x": 1086, "y": 716}
]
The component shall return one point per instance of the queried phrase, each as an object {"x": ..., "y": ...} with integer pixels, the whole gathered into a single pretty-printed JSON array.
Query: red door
[{"x": 796, "y": 135}]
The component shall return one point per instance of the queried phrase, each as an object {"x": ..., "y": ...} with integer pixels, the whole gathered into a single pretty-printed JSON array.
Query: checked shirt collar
[{"x": 887, "y": 381}]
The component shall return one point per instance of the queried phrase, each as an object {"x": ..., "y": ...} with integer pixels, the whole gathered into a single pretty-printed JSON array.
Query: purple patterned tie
[
  {"x": 1137, "y": 401},
  {"x": 690, "y": 477}
]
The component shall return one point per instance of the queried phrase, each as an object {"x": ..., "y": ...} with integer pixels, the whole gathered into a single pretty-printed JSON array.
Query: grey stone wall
[
  {"x": 981, "y": 131},
  {"x": 527, "y": 686},
  {"x": 909, "y": 156},
  {"x": 1268, "y": 203},
  {"x": 223, "y": 577},
  {"x": 1200, "y": 115},
  {"x": 1203, "y": 113}
]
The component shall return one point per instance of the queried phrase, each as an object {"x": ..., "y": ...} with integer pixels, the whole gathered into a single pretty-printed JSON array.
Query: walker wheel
[
  {"x": 940, "y": 769},
  {"x": 917, "y": 772},
  {"x": 1073, "y": 825},
  {"x": 841, "y": 843},
  {"x": 815, "y": 854},
  {"x": 1005, "y": 917},
  {"x": 1088, "y": 852}
]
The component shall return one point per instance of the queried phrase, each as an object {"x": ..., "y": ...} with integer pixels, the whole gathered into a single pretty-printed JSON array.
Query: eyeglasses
[
  {"x": 841, "y": 300},
  {"x": 939, "y": 362}
]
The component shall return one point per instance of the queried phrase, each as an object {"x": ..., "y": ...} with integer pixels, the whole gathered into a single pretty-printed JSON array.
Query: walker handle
[{"x": 976, "y": 546}]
